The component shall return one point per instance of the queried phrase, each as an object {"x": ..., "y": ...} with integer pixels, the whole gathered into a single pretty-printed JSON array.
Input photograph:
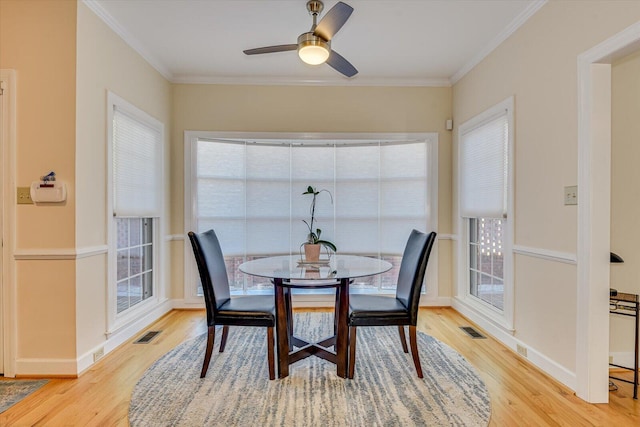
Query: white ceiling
[{"x": 390, "y": 42}]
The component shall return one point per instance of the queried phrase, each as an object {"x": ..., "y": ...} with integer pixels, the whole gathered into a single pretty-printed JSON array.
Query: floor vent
[
  {"x": 146, "y": 338},
  {"x": 472, "y": 332}
]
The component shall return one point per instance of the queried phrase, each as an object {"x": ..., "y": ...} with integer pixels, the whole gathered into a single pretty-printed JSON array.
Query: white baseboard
[
  {"x": 183, "y": 304},
  {"x": 435, "y": 302},
  {"x": 124, "y": 334},
  {"x": 47, "y": 367},
  {"x": 536, "y": 358},
  {"x": 623, "y": 358}
]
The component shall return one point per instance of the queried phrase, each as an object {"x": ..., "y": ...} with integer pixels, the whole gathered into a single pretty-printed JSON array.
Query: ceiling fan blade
[
  {"x": 333, "y": 20},
  {"x": 271, "y": 49},
  {"x": 341, "y": 65}
]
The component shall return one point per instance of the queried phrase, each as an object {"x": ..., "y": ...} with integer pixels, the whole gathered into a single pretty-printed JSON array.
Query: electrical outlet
[
  {"x": 24, "y": 196},
  {"x": 98, "y": 354},
  {"x": 522, "y": 350},
  {"x": 571, "y": 195},
  {"x": 610, "y": 359}
]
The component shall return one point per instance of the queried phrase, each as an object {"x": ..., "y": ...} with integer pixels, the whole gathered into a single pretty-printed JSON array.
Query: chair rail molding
[
  {"x": 59, "y": 253},
  {"x": 447, "y": 237},
  {"x": 546, "y": 254}
]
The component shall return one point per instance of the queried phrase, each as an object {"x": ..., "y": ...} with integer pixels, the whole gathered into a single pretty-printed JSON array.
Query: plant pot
[{"x": 311, "y": 252}]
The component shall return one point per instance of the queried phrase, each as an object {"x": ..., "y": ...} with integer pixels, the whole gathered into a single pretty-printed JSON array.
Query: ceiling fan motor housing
[{"x": 310, "y": 39}]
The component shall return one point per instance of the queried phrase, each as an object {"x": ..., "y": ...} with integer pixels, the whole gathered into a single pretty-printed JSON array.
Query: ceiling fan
[{"x": 314, "y": 47}]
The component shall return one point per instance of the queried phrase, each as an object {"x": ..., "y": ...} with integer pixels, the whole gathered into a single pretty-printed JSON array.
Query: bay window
[{"x": 250, "y": 192}]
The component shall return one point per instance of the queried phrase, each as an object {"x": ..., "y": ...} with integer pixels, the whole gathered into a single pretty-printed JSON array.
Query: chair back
[
  {"x": 412, "y": 271},
  {"x": 213, "y": 272}
]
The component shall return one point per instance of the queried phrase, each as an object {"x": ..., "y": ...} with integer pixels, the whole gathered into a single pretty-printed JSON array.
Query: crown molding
[
  {"x": 129, "y": 39},
  {"x": 300, "y": 81},
  {"x": 499, "y": 39}
]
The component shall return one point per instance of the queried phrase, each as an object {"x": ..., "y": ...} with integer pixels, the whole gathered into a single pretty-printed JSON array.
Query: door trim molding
[
  {"x": 592, "y": 320},
  {"x": 8, "y": 288}
]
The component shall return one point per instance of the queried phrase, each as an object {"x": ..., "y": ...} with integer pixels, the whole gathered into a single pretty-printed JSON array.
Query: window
[
  {"x": 250, "y": 192},
  {"x": 485, "y": 147},
  {"x": 136, "y": 147},
  {"x": 134, "y": 261},
  {"x": 486, "y": 261}
]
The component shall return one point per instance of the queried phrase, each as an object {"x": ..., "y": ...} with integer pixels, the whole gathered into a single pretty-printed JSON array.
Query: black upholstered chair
[
  {"x": 378, "y": 310},
  {"x": 250, "y": 310}
]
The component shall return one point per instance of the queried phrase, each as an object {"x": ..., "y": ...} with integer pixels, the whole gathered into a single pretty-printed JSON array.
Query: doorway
[{"x": 594, "y": 221}]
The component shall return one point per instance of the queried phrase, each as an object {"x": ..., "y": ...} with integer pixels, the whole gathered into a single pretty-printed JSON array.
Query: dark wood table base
[
  {"x": 286, "y": 341},
  {"x": 319, "y": 349}
]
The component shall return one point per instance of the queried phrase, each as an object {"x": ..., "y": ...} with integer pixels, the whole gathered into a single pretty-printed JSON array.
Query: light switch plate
[
  {"x": 24, "y": 196},
  {"x": 571, "y": 195}
]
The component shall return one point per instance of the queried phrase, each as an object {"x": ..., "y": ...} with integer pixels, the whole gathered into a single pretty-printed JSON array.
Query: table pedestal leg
[
  {"x": 342, "y": 338},
  {"x": 282, "y": 330}
]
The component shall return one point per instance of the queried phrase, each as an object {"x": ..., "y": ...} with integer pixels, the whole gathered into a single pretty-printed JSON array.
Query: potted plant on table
[{"x": 314, "y": 243}]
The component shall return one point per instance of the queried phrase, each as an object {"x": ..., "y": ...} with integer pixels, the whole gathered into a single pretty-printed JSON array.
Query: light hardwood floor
[{"x": 521, "y": 395}]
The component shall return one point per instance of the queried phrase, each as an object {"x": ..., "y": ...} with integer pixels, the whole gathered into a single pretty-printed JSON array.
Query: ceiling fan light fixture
[{"x": 312, "y": 49}]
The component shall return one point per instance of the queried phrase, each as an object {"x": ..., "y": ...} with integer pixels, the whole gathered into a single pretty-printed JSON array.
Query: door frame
[
  {"x": 8, "y": 193},
  {"x": 594, "y": 192}
]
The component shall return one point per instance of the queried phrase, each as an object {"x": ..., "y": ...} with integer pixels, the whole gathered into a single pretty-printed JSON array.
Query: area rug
[
  {"x": 13, "y": 391},
  {"x": 385, "y": 390}
]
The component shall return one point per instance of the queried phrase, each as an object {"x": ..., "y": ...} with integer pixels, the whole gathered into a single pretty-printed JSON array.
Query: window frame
[
  {"x": 115, "y": 320},
  {"x": 505, "y": 318},
  {"x": 190, "y": 176}
]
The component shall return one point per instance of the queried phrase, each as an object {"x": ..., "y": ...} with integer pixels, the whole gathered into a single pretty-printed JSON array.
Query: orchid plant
[{"x": 313, "y": 237}]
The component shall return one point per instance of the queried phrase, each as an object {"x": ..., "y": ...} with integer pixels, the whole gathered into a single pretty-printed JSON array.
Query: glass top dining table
[
  {"x": 293, "y": 267},
  {"x": 290, "y": 271}
]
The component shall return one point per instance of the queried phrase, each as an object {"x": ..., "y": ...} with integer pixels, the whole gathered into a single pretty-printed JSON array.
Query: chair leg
[
  {"x": 413, "y": 340},
  {"x": 352, "y": 352},
  {"x": 403, "y": 338},
  {"x": 223, "y": 341},
  {"x": 211, "y": 335},
  {"x": 270, "y": 356}
]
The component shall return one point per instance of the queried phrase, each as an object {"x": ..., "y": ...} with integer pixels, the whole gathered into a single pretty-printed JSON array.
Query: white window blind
[
  {"x": 483, "y": 168},
  {"x": 251, "y": 194},
  {"x": 137, "y": 166}
]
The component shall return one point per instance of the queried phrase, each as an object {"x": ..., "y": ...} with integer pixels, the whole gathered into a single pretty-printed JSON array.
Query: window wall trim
[
  {"x": 117, "y": 321},
  {"x": 305, "y": 138},
  {"x": 505, "y": 319}
]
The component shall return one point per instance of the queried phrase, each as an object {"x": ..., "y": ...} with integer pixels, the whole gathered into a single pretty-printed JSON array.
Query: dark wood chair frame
[
  {"x": 250, "y": 310},
  {"x": 375, "y": 310}
]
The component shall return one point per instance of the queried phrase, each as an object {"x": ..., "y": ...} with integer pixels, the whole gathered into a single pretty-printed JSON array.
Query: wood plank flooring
[{"x": 521, "y": 395}]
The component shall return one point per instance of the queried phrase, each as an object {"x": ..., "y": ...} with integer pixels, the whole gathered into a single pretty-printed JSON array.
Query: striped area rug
[
  {"x": 13, "y": 391},
  {"x": 384, "y": 392}
]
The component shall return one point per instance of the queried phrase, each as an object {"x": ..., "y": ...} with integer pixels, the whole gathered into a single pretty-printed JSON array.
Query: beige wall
[
  {"x": 105, "y": 63},
  {"x": 38, "y": 40},
  {"x": 312, "y": 109},
  {"x": 625, "y": 191},
  {"x": 538, "y": 66},
  {"x": 65, "y": 60}
]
